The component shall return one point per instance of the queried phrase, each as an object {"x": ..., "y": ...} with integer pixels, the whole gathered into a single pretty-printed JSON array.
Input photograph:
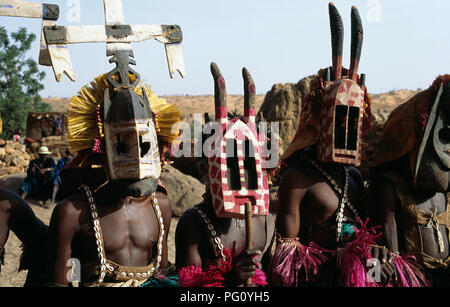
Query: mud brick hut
[{"x": 47, "y": 129}]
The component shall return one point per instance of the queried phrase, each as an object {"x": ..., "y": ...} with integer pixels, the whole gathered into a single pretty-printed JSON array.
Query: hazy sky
[{"x": 407, "y": 42}]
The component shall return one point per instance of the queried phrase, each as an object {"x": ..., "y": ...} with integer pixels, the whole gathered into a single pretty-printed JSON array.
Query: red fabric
[
  {"x": 409, "y": 272},
  {"x": 353, "y": 258},
  {"x": 291, "y": 257},
  {"x": 214, "y": 276}
]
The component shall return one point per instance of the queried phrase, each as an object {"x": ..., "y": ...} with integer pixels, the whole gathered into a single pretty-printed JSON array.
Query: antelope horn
[
  {"x": 206, "y": 117},
  {"x": 357, "y": 42},
  {"x": 249, "y": 96},
  {"x": 220, "y": 93},
  {"x": 337, "y": 40}
]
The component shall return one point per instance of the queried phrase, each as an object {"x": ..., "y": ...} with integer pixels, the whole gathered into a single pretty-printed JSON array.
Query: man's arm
[
  {"x": 187, "y": 238},
  {"x": 290, "y": 195},
  {"x": 63, "y": 227},
  {"x": 5, "y": 212},
  {"x": 32, "y": 170},
  {"x": 23, "y": 222},
  {"x": 384, "y": 204},
  {"x": 166, "y": 212}
]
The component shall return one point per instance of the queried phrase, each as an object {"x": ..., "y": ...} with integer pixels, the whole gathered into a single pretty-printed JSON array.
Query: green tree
[{"x": 19, "y": 81}]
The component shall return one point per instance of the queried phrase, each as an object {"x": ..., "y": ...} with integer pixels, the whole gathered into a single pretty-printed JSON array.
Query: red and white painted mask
[
  {"x": 236, "y": 175},
  {"x": 342, "y": 113},
  {"x": 341, "y": 123}
]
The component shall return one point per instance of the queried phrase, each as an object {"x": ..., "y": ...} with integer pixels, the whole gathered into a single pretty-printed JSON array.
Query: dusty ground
[{"x": 10, "y": 277}]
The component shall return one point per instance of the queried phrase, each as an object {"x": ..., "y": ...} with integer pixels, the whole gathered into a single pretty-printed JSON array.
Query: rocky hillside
[{"x": 282, "y": 103}]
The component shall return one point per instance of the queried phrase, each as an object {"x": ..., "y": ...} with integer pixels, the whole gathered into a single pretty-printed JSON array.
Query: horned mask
[
  {"x": 235, "y": 174},
  {"x": 342, "y": 112}
]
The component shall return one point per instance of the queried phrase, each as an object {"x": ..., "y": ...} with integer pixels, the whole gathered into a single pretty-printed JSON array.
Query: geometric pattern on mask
[
  {"x": 130, "y": 164},
  {"x": 343, "y": 92},
  {"x": 229, "y": 202}
]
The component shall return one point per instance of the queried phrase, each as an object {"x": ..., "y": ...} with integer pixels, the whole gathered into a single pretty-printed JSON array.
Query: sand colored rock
[
  {"x": 14, "y": 159},
  {"x": 12, "y": 182},
  {"x": 283, "y": 104},
  {"x": 183, "y": 191}
]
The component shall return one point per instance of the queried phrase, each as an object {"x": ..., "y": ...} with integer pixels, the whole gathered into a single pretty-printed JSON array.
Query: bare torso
[
  {"x": 130, "y": 231},
  {"x": 308, "y": 203},
  {"x": 231, "y": 232}
]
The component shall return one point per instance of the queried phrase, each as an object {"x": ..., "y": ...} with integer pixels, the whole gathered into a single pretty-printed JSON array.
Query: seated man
[
  {"x": 40, "y": 177},
  {"x": 19, "y": 137},
  {"x": 65, "y": 160},
  {"x": 16, "y": 215},
  {"x": 210, "y": 244},
  {"x": 117, "y": 223}
]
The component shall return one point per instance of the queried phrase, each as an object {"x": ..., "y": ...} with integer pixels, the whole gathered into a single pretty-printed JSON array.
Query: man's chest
[
  {"x": 234, "y": 238},
  {"x": 123, "y": 228}
]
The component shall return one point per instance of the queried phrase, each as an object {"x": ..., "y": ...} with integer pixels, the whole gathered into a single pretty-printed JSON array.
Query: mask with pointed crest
[
  {"x": 342, "y": 112},
  {"x": 235, "y": 172},
  {"x": 130, "y": 136}
]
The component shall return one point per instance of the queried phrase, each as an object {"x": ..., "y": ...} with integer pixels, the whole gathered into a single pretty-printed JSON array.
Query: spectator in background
[
  {"x": 65, "y": 160},
  {"x": 40, "y": 178},
  {"x": 57, "y": 125},
  {"x": 19, "y": 137}
]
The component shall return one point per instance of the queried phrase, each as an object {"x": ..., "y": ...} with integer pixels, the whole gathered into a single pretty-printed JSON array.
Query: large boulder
[
  {"x": 183, "y": 190},
  {"x": 283, "y": 104},
  {"x": 14, "y": 158},
  {"x": 12, "y": 182}
]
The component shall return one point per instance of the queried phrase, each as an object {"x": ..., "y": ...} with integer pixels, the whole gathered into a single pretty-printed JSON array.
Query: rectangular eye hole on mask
[
  {"x": 121, "y": 146},
  {"x": 340, "y": 127},
  {"x": 353, "y": 120},
  {"x": 144, "y": 142},
  {"x": 233, "y": 176},
  {"x": 251, "y": 177}
]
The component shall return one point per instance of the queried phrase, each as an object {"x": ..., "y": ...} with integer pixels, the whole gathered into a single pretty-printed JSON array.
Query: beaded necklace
[
  {"x": 106, "y": 265},
  {"x": 214, "y": 238},
  {"x": 343, "y": 194}
]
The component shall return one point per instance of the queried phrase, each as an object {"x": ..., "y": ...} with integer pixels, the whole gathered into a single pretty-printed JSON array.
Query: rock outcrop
[
  {"x": 14, "y": 158},
  {"x": 12, "y": 182},
  {"x": 283, "y": 104},
  {"x": 183, "y": 191}
]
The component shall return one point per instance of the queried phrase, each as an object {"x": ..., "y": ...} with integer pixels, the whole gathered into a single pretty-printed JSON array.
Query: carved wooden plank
[
  {"x": 97, "y": 34},
  {"x": 21, "y": 9},
  {"x": 44, "y": 56},
  {"x": 61, "y": 63},
  {"x": 174, "y": 53},
  {"x": 114, "y": 16},
  {"x": 113, "y": 12},
  {"x": 48, "y": 12}
]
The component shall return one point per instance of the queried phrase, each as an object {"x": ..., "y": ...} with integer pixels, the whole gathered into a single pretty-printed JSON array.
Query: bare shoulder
[
  {"x": 299, "y": 176},
  {"x": 14, "y": 204},
  {"x": 356, "y": 175},
  {"x": 8, "y": 199},
  {"x": 69, "y": 210},
  {"x": 164, "y": 204},
  {"x": 189, "y": 225}
]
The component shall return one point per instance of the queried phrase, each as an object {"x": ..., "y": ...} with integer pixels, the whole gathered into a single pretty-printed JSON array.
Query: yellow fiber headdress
[{"x": 85, "y": 126}]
